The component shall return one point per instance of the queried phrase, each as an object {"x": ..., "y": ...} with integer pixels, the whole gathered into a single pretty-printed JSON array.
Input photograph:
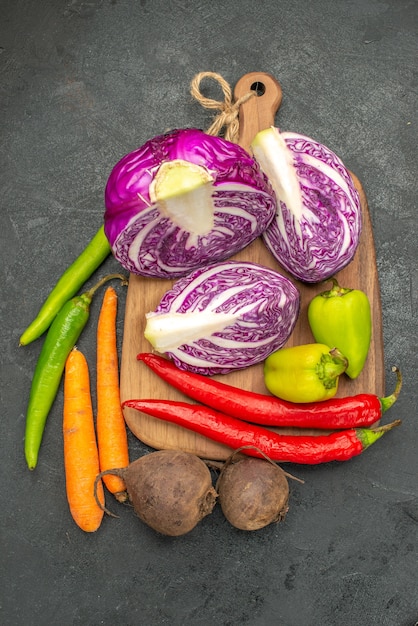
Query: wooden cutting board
[{"x": 144, "y": 294}]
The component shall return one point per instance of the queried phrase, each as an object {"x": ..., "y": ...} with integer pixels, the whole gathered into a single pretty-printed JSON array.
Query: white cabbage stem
[
  {"x": 168, "y": 331},
  {"x": 183, "y": 193},
  {"x": 277, "y": 162}
]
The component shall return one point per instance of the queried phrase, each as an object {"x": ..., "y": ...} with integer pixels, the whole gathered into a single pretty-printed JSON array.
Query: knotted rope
[{"x": 229, "y": 110}]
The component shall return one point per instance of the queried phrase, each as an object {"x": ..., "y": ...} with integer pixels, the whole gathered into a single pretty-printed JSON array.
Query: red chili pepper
[
  {"x": 304, "y": 449},
  {"x": 336, "y": 413}
]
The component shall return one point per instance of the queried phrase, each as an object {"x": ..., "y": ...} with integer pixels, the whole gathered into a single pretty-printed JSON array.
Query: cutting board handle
[{"x": 259, "y": 112}]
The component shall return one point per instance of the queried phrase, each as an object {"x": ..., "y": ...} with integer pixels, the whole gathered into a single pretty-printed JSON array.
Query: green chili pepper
[
  {"x": 307, "y": 373},
  {"x": 341, "y": 317},
  {"x": 67, "y": 286},
  {"x": 60, "y": 340}
]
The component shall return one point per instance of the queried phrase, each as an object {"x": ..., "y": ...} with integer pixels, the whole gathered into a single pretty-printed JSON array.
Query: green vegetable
[
  {"x": 307, "y": 373},
  {"x": 67, "y": 286},
  {"x": 341, "y": 317},
  {"x": 60, "y": 340}
]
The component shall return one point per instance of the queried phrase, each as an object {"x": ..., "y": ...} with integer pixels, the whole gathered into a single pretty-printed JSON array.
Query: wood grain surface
[{"x": 144, "y": 294}]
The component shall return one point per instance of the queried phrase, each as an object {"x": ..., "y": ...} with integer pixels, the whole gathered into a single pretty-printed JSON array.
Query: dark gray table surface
[{"x": 84, "y": 82}]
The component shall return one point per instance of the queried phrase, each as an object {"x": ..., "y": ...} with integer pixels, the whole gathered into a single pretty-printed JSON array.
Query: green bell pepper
[
  {"x": 341, "y": 317},
  {"x": 306, "y": 373}
]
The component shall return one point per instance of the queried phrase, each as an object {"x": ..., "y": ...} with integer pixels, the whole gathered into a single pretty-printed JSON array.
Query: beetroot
[
  {"x": 171, "y": 490},
  {"x": 253, "y": 493}
]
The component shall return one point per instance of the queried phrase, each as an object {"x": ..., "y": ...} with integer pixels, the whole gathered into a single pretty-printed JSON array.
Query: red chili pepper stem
[
  {"x": 368, "y": 436},
  {"x": 388, "y": 401}
]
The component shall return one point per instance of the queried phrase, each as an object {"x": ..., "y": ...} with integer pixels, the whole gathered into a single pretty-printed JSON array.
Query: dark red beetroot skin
[
  {"x": 253, "y": 493},
  {"x": 171, "y": 490}
]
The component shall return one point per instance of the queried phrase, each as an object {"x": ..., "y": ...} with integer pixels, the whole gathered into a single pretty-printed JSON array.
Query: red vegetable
[
  {"x": 360, "y": 410},
  {"x": 304, "y": 449}
]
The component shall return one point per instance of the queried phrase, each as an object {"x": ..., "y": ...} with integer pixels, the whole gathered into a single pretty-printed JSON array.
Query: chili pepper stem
[
  {"x": 368, "y": 436},
  {"x": 87, "y": 296},
  {"x": 90, "y": 293},
  {"x": 388, "y": 401}
]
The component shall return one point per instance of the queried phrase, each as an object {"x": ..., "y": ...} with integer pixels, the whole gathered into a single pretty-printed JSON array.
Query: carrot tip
[{"x": 121, "y": 496}]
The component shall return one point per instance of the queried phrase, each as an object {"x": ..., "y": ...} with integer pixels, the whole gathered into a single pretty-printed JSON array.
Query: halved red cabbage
[
  {"x": 224, "y": 317},
  {"x": 182, "y": 200},
  {"x": 317, "y": 226}
]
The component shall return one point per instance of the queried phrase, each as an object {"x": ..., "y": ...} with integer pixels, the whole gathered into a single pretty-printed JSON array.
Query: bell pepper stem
[
  {"x": 368, "y": 436},
  {"x": 336, "y": 290},
  {"x": 388, "y": 401},
  {"x": 330, "y": 367}
]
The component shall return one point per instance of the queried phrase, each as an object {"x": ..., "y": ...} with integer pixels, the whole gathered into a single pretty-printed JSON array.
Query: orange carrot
[
  {"x": 81, "y": 457},
  {"x": 111, "y": 430}
]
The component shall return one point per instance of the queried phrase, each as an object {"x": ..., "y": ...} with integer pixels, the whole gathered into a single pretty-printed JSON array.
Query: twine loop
[{"x": 229, "y": 110}]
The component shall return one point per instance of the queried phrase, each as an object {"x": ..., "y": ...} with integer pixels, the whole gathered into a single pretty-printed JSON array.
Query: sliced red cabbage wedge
[
  {"x": 317, "y": 225},
  {"x": 224, "y": 317},
  {"x": 183, "y": 200}
]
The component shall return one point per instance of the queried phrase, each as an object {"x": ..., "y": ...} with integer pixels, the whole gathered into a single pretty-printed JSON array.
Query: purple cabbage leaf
[
  {"x": 316, "y": 229},
  {"x": 224, "y": 317}
]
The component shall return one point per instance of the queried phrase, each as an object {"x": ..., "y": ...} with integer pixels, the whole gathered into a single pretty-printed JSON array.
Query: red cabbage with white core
[
  {"x": 316, "y": 229},
  {"x": 183, "y": 200},
  {"x": 224, "y": 317}
]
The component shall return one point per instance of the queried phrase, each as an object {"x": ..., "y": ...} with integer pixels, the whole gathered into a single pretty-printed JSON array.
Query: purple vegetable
[
  {"x": 317, "y": 226},
  {"x": 224, "y": 317},
  {"x": 182, "y": 200}
]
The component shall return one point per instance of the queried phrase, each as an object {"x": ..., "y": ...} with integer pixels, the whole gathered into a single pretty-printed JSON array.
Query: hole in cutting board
[{"x": 259, "y": 88}]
